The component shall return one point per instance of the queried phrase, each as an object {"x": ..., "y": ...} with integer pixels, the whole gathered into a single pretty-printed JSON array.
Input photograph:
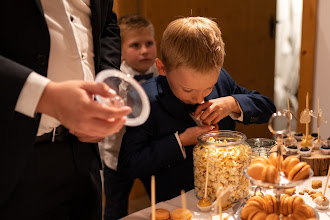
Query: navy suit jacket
[
  {"x": 24, "y": 47},
  {"x": 152, "y": 149}
]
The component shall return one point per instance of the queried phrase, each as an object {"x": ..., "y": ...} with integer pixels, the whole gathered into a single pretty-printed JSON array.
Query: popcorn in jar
[{"x": 228, "y": 155}]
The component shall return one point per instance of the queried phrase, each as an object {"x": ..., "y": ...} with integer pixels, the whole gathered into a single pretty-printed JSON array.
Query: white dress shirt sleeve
[
  {"x": 30, "y": 94},
  {"x": 181, "y": 147}
]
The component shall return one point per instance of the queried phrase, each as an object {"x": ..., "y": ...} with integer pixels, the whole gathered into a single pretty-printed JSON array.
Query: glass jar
[
  {"x": 260, "y": 146},
  {"x": 227, "y": 154}
]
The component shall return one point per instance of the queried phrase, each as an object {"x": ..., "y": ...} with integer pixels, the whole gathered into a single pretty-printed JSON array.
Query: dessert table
[{"x": 198, "y": 215}]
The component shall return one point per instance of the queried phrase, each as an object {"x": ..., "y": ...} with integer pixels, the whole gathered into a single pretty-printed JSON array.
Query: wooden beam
[{"x": 307, "y": 54}]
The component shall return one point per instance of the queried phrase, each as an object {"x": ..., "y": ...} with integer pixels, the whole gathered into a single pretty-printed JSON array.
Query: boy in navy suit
[
  {"x": 191, "y": 74},
  {"x": 139, "y": 52}
]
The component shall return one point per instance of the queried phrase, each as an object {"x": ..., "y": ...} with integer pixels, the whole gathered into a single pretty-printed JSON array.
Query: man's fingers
[
  {"x": 100, "y": 128},
  {"x": 106, "y": 112},
  {"x": 101, "y": 89}
]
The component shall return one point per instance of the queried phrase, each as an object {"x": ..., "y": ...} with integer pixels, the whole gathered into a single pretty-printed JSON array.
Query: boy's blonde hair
[
  {"x": 193, "y": 42},
  {"x": 134, "y": 22}
]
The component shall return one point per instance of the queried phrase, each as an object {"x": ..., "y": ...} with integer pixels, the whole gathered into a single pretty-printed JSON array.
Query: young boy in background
[
  {"x": 138, "y": 60},
  {"x": 191, "y": 74}
]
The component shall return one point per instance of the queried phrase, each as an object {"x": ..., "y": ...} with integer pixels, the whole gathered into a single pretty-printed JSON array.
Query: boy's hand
[
  {"x": 217, "y": 109},
  {"x": 189, "y": 136}
]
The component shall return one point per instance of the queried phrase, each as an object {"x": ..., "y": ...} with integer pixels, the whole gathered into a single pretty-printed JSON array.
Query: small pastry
[
  {"x": 224, "y": 216},
  {"x": 298, "y": 136},
  {"x": 255, "y": 170},
  {"x": 325, "y": 149},
  {"x": 316, "y": 184},
  {"x": 204, "y": 205},
  {"x": 292, "y": 149},
  {"x": 181, "y": 213},
  {"x": 299, "y": 171},
  {"x": 262, "y": 160},
  {"x": 269, "y": 174},
  {"x": 306, "y": 143},
  {"x": 304, "y": 210},
  {"x": 317, "y": 144},
  {"x": 290, "y": 191},
  {"x": 289, "y": 163},
  {"x": 305, "y": 151},
  {"x": 274, "y": 160},
  {"x": 162, "y": 214},
  {"x": 314, "y": 135},
  {"x": 272, "y": 216},
  {"x": 290, "y": 140},
  {"x": 322, "y": 202}
]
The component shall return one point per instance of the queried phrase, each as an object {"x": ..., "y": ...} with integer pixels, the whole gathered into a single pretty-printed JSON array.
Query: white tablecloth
[{"x": 198, "y": 215}]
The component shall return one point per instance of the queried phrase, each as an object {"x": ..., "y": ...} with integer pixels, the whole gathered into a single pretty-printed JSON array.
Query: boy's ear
[{"x": 160, "y": 67}]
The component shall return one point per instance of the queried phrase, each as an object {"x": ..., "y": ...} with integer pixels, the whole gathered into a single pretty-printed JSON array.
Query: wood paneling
[
  {"x": 250, "y": 48},
  {"x": 306, "y": 75}
]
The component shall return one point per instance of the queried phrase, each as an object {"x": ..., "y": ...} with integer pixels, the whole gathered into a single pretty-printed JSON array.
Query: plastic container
[
  {"x": 260, "y": 146},
  {"x": 129, "y": 93},
  {"x": 228, "y": 155}
]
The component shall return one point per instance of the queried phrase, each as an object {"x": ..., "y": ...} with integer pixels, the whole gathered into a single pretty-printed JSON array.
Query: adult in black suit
[
  {"x": 191, "y": 73},
  {"x": 41, "y": 179}
]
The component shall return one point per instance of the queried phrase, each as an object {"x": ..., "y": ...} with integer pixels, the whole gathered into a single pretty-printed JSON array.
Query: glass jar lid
[
  {"x": 129, "y": 93},
  {"x": 222, "y": 138}
]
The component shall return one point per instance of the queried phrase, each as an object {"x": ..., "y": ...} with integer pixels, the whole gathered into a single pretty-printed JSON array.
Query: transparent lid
[
  {"x": 129, "y": 93},
  {"x": 222, "y": 138}
]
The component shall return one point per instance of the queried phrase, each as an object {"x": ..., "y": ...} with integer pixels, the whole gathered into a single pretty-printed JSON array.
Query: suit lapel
[{"x": 39, "y": 6}]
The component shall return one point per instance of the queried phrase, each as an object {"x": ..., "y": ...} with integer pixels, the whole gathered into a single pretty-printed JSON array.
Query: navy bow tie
[{"x": 143, "y": 77}]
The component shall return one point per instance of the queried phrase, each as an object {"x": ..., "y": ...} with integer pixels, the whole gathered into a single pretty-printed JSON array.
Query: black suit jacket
[
  {"x": 152, "y": 149},
  {"x": 24, "y": 47}
]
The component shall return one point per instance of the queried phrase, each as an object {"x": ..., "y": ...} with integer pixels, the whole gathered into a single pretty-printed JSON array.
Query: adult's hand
[{"x": 72, "y": 103}]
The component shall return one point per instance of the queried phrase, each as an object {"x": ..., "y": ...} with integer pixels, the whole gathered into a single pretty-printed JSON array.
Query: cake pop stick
[
  {"x": 319, "y": 118},
  {"x": 309, "y": 120},
  {"x": 219, "y": 203},
  {"x": 153, "y": 198},
  {"x": 289, "y": 116},
  {"x": 207, "y": 175},
  {"x": 184, "y": 205},
  {"x": 326, "y": 182}
]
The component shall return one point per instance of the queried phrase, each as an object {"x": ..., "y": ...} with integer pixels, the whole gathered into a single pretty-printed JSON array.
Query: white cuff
[
  {"x": 236, "y": 116},
  {"x": 176, "y": 134},
  {"x": 30, "y": 94}
]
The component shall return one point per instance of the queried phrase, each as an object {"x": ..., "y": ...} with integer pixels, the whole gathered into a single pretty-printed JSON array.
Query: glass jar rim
[{"x": 231, "y": 137}]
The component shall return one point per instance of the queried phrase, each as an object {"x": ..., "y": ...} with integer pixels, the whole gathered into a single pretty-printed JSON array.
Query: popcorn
[{"x": 226, "y": 164}]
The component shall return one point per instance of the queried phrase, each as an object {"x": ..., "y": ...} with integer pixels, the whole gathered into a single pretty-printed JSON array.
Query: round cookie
[
  {"x": 299, "y": 171},
  {"x": 261, "y": 215},
  {"x": 180, "y": 213},
  {"x": 274, "y": 160},
  {"x": 162, "y": 214},
  {"x": 269, "y": 203},
  {"x": 258, "y": 201},
  {"x": 262, "y": 160},
  {"x": 272, "y": 216},
  {"x": 249, "y": 209},
  {"x": 289, "y": 163},
  {"x": 255, "y": 170},
  {"x": 304, "y": 210},
  {"x": 269, "y": 174}
]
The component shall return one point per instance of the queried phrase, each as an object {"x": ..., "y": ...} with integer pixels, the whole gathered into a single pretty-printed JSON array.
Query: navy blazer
[
  {"x": 24, "y": 47},
  {"x": 152, "y": 149}
]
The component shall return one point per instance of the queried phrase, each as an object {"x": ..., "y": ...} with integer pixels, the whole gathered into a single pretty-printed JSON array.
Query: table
[{"x": 198, "y": 215}]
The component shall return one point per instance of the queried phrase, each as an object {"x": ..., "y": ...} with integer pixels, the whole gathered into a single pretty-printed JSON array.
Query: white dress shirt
[{"x": 71, "y": 54}]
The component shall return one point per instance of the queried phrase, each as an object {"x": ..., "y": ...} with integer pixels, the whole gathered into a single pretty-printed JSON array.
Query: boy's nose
[
  {"x": 198, "y": 98},
  {"x": 144, "y": 50}
]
